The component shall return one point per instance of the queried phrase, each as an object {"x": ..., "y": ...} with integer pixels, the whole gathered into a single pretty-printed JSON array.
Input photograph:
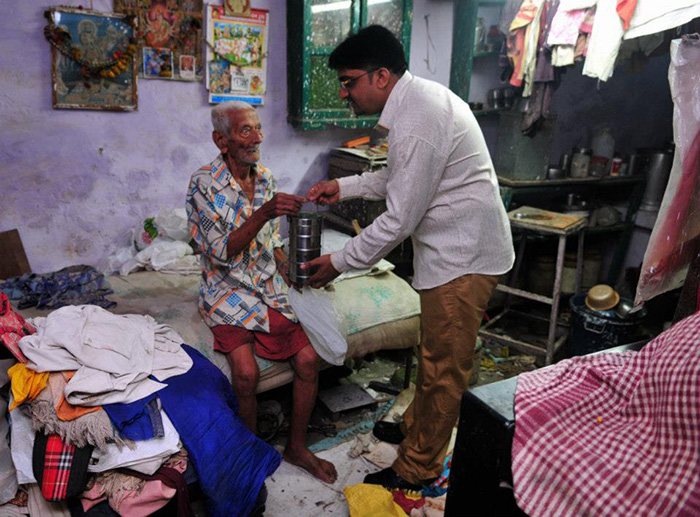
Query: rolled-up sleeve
[{"x": 416, "y": 169}]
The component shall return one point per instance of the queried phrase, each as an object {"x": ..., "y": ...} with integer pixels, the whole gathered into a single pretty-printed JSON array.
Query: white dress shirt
[{"x": 440, "y": 189}]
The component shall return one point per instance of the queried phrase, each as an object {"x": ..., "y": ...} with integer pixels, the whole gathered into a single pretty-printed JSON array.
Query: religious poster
[
  {"x": 237, "y": 56},
  {"x": 170, "y": 29},
  {"x": 92, "y": 58}
]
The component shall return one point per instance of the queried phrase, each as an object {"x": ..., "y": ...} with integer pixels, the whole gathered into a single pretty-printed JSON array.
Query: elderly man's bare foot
[{"x": 304, "y": 458}]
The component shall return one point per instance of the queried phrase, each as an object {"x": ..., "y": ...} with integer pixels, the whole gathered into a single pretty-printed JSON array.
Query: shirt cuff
[
  {"x": 338, "y": 261},
  {"x": 349, "y": 187}
]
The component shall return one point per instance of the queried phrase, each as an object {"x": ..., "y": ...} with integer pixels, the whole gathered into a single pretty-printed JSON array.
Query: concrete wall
[{"x": 75, "y": 183}]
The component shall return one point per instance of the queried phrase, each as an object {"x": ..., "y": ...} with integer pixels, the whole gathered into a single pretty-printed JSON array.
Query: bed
[{"x": 380, "y": 312}]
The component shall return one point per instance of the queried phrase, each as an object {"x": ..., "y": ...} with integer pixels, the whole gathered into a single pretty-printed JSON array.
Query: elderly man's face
[{"x": 243, "y": 146}]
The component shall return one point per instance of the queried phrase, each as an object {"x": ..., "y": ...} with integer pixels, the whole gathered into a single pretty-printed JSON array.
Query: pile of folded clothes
[{"x": 114, "y": 409}]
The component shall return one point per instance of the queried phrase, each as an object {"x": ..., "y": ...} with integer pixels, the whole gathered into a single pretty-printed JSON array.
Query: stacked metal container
[{"x": 304, "y": 244}]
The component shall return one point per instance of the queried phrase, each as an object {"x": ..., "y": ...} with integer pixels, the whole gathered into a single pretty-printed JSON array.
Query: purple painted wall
[{"x": 75, "y": 183}]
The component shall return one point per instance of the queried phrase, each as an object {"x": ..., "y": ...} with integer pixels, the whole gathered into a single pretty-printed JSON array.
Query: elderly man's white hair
[{"x": 220, "y": 115}]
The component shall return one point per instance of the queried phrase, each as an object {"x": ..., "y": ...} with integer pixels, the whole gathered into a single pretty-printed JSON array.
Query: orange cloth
[
  {"x": 625, "y": 8},
  {"x": 65, "y": 410},
  {"x": 26, "y": 384}
]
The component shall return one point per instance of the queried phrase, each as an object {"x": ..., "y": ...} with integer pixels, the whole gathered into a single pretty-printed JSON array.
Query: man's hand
[
  {"x": 324, "y": 192},
  {"x": 323, "y": 269},
  {"x": 282, "y": 204}
]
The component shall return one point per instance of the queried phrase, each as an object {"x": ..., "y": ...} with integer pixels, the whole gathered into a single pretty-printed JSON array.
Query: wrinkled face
[
  {"x": 242, "y": 146},
  {"x": 358, "y": 89}
]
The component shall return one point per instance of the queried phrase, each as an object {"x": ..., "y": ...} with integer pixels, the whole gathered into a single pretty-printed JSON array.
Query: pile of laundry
[{"x": 115, "y": 408}]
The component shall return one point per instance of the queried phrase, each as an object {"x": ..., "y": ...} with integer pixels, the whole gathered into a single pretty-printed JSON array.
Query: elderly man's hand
[
  {"x": 323, "y": 270},
  {"x": 282, "y": 204},
  {"x": 324, "y": 192}
]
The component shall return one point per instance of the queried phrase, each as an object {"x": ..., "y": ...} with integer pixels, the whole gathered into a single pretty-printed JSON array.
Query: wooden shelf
[{"x": 605, "y": 180}]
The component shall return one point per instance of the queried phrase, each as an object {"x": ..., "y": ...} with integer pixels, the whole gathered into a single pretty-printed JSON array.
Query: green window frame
[{"x": 314, "y": 29}]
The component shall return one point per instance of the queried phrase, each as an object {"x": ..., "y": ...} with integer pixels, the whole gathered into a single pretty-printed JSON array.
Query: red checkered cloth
[
  {"x": 58, "y": 458},
  {"x": 12, "y": 328},
  {"x": 613, "y": 434},
  {"x": 59, "y": 468}
]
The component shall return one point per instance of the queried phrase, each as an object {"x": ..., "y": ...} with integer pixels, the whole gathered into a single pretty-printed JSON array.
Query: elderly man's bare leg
[
  {"x": 304, "y": 390},
  {"x": 245, "y": 374}
]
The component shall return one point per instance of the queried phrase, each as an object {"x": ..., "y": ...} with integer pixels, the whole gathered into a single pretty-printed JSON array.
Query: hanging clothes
[
  {"x": 625, "y": 8},
  {"x": 652, "y": 16},
  {"x": 519, "y": 36},
  {"x": 604, "y": 42},
  {"x": 563, "y": 34}
]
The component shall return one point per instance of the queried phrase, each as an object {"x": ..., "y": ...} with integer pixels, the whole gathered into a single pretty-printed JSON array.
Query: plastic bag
[
  {"x": 320, "y": 320},
  {"x": 676, "y": 233},
  {"x": 172, "y": 224}
]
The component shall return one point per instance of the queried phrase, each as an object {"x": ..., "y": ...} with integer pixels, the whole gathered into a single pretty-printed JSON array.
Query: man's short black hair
[{"x": 371, "y": 48}]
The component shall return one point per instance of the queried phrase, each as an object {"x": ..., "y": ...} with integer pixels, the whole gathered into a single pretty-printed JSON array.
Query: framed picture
[
  {"x": 237, "y": 55},
  {"x": 172, "y": 25},
  {"x": 157, "y": 63},
  {"x": 92, "y": 60}
]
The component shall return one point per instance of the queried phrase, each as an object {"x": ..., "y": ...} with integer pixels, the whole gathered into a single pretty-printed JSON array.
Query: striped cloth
[{"x": 613, "y": 434}]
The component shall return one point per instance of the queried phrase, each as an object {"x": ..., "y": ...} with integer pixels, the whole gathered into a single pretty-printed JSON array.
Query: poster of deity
[
  {"x": 175, "y": 25},
  {"x": 92, "y": 60},
  {"x": 240, "y": 42}
]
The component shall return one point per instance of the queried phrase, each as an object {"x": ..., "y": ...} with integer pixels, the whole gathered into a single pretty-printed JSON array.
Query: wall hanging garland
[{"x": 119, "y": 61}]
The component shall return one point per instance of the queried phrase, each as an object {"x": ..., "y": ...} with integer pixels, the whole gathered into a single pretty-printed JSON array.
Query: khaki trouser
[{"x": 450, "y": 319}]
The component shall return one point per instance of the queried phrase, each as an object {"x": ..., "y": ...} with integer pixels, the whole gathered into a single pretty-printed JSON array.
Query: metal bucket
[
  {"x": 304, "y": 244},
  {"x": 592, "y": 331}
]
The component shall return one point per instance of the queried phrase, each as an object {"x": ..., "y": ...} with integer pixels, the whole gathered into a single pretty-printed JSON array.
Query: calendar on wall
[{"x": 237, "y": 55}]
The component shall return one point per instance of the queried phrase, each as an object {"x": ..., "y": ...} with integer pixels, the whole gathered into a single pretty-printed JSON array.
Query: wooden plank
[
  {"x": 13, "y": 260},
  {"x": 529, "y": 217}
]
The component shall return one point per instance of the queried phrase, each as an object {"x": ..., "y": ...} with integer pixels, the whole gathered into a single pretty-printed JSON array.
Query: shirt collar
[
  {"x": 393, "y": 103},
  {"x": 222, "y": 175}
]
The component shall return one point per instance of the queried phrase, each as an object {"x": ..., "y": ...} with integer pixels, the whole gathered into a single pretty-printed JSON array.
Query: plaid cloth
[
  {"x": 60, "y": 468},
  {"x": 613, "y": 434},
  {"x": 13, "y": 328}
]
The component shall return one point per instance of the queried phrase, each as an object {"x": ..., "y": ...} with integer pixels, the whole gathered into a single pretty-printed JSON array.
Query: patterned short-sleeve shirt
[{"x": 235, "y": 290}]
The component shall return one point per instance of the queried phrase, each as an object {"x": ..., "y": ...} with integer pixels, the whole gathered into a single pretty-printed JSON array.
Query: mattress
[{"x": 380, "y": 312}]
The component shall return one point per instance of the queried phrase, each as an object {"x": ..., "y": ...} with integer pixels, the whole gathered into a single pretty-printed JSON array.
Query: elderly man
[
  {"x": 233, "y": 208},
  {"x": 440, "y": 188}
]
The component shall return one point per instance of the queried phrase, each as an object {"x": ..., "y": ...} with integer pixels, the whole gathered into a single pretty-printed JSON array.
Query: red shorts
[{"x": 284, "y": 340}]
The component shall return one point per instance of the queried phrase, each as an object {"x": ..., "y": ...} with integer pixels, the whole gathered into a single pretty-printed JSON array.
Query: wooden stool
[{"x": 535, "y": 221}]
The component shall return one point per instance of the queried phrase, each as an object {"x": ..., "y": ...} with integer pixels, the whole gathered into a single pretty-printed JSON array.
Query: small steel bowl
[{"x": 602, "y": 297}]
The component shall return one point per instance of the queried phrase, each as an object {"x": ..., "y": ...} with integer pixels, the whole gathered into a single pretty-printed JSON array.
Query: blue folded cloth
[
  {"x": 139, "y": 420},
  {"x": 230, "y": 461}
]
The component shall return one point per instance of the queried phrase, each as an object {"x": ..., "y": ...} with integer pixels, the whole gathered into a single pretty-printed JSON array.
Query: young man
[
  {"x": 441, "y": 189},
  {"x": 233, "y": 208}
]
